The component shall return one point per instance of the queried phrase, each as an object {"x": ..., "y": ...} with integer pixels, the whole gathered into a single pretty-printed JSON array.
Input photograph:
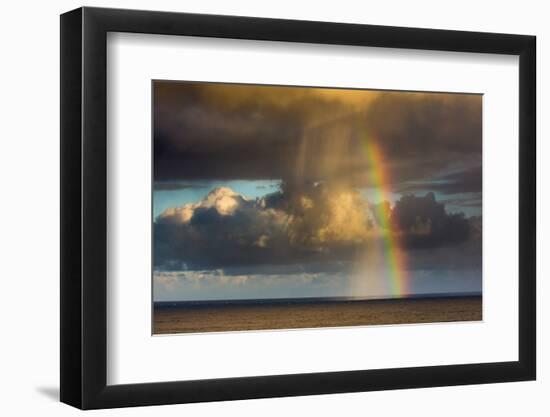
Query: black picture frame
[{"x": 84, "y": 207}]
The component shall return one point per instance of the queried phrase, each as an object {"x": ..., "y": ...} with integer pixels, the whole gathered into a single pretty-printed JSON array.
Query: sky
[{"x": 273, "y": 191}]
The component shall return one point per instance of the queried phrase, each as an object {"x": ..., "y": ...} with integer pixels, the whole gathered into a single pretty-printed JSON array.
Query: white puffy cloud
[
  {"x": 223, "y": 199},
  {"x": 228, "y": 229}
]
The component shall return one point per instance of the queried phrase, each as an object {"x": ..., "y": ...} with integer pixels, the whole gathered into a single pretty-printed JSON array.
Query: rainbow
[{"x": 394, "y": 257}]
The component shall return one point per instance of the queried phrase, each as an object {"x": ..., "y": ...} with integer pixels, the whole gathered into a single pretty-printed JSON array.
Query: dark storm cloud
[
  {"x": 226, "y": 132},
  {"x": 425, "y": 223},
  {"x": 222, "y": 131},
  {"x": 424, "y": 133}
]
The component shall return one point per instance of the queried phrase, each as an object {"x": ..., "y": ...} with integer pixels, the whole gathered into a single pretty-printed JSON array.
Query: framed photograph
[{"x": 258, "y": 208}]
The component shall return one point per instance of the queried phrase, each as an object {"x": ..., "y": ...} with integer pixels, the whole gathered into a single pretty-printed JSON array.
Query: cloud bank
[{"x": 308, "y": 225}]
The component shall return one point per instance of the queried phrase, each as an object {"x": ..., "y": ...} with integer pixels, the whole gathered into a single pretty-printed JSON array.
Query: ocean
[{"x": 171, "y": 317}]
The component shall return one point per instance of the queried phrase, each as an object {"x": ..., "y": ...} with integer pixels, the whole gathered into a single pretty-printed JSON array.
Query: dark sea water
[{"x": 293, "y": 313}]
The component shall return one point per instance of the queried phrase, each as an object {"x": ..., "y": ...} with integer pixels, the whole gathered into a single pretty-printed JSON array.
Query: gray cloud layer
[{"x": 213, "y": 131}]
